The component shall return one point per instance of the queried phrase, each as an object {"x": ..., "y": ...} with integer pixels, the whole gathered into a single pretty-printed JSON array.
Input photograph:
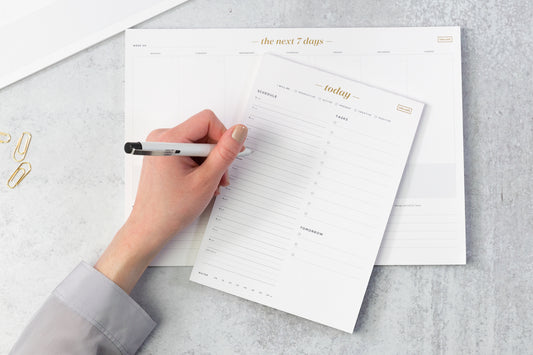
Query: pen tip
[{"x": 245, "y": 152}]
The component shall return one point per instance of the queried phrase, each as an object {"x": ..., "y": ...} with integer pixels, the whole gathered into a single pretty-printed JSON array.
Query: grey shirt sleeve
[{"x": 86, "y": 314}]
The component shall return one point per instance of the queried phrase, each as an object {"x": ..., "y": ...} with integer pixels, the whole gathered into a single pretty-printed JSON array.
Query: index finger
[{"x": 204, "y": 124}]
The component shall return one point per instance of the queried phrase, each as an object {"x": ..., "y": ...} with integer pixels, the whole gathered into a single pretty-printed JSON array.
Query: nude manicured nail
[{"x": 239, "y": 133}]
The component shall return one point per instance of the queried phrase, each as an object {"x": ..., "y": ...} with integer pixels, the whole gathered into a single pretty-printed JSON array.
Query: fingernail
[
  {"x": 225, "y": 179},
  {"x": 239, "y": 133}
]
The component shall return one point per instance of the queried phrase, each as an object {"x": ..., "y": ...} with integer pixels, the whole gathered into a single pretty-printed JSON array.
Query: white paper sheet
[
  {"x": 172, "y": 74},
  {"x": 300, "y": 226},
  {"x": 37, "y": 33}
]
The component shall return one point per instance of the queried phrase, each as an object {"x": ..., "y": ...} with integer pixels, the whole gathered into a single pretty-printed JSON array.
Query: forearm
[{"x": 129, "y": 254}]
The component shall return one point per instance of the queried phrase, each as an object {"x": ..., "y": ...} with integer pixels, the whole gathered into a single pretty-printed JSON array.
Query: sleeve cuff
[{"x": 106, "y": 306}]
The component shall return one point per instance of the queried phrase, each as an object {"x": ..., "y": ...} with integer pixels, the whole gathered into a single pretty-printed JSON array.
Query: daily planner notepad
[
  {"x": 173, "y": 74},
  {"x": 300, "y": 226}
]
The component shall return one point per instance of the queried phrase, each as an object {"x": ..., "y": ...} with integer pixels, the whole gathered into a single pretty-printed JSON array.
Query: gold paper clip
[
  {"x": 25, "y": 171},
  {"x": 5, "y": 137},
  {"x": 22, "y": 153}
]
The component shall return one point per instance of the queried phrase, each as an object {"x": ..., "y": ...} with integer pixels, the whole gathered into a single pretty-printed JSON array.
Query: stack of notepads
[{"x": 336, "y": 117}]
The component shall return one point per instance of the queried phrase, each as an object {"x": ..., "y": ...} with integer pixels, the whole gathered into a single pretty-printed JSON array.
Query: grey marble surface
[{"x": 71, "y": 204}]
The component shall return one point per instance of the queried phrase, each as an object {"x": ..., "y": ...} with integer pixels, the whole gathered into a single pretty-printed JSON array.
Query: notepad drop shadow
[{"x": 370, "y": 293}]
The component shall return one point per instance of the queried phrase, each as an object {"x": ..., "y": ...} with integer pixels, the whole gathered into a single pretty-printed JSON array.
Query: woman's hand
[{"x": 172, "y": 192}]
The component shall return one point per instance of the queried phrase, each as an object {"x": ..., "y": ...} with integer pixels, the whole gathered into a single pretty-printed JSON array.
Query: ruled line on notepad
[
  {"x": 256, "y": 150},
  {"x": 324, "y": 245},
  {"x": 342, "y": 205},
  {"x": 233, "y": 233},
  {"x": 361, "y": 145},
  {"x": 290, "y": 139},
  {"x": 291, "y": 116},
  {"x": 336, "y": 215},
  {"x": 360, "y": 166},
  {"x": 344, "y": 195},
  {"x": 331, "y": 259},
  {"x": 283, "y": 147},
  {"x": 250, "y": 215},
  {"x": 268, "y": 186},
  {"x": 352, "y": 176},
  {"x": 241, "y": 257},
  {"x": 351, "y": 187},
  {"x": 244, "y": 247},
  {"x": 269, "y": 159},
  {"x": 276, "y": 167},
  {"x": 340, "y": 152},
  {"x": 345, "y": 128},
  {"x": 296, "y": 129},
  {"x": 262, "y": 196},
  {"x": 260, "y": 207},
  {"x": 255, "y": 227}
]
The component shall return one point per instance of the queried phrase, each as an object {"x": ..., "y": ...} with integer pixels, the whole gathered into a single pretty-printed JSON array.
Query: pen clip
[{"x": 155, "y": 153}]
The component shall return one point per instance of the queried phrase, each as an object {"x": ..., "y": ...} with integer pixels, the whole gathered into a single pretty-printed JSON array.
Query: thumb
[{"x": 225, "y": 152}]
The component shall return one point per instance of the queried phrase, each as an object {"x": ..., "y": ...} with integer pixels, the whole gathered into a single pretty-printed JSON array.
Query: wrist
[{"x": 128, "y": 255}]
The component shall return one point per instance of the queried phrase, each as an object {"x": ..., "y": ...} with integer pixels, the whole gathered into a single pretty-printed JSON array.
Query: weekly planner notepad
[
  {"x": 300, "y": 226},
  {"x": 173, "y": 74}
]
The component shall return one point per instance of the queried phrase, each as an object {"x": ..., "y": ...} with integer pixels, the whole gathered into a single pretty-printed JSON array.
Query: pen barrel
[{"x": 185, "y": 149}]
